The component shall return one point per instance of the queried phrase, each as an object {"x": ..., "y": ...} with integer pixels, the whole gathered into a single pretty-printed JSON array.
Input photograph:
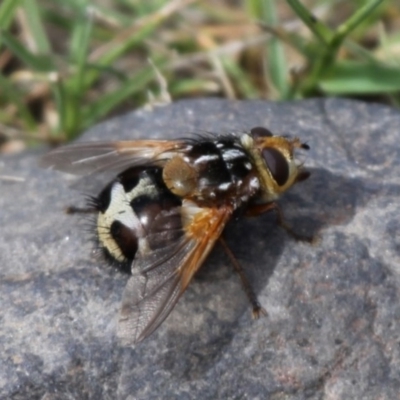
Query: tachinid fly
[{"x": 169, "y": 204}]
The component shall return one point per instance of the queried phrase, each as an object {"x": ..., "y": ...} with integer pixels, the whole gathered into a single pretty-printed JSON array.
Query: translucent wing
[
  {"x": 161, "y": 276},
  {"x": 97, "y": 157}
]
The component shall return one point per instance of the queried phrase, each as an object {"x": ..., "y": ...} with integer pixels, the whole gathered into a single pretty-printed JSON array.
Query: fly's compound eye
[
  {"x": 277, "y": 165},
  {"x": 260, "y": 131}
]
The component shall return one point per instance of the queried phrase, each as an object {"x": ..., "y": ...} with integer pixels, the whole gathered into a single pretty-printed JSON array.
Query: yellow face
[{"x": 273, "y": 156}]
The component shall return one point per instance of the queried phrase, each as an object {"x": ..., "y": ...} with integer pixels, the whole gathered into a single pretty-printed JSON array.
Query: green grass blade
[
  {"x": 134, "y": 36},
  {"x": 107, "y": 102},
  {"x": 351, "y": 77},
  {"x": 117, "y": 49},
  {"x": 297, "y": 42},
  {"x": 132, "y": 40},
  {"x": 7, "y": 10},
  {"x": 241, "y": 80},
  {"x": 321, "y": 31},
  {"x": 71, "y": 92},
  {"x": 276, "y": 62},
  {"x": 38, "y": 63},
  {"x": 78, "y": 54},
  {"x": 359, "y": 16},
  {"x": 67, "y": 106},
  {"x": 35, "y": 24}
]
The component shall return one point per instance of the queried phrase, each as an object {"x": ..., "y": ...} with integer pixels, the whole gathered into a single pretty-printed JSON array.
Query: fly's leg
[
  {"x": 263, "y": 208},
  {"x": 258, "y": 310},
  {"x": 80, "y": 210}
]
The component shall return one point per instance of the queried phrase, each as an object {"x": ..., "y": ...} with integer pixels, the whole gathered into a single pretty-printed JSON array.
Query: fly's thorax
[
  {"x": 273, "y": 156},
  {"x": 136, "y": 214},
  {"x": 213, "y": 173}
]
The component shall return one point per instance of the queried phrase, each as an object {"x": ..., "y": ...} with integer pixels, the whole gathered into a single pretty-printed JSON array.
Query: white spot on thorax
[
  {"x": 254, "y": 183},
  {"x": 248, "y": 166},
  {"x": 206, "y": 158},
  {"x": 225, "y": 186},
  {"x": 232, "y": 154}
]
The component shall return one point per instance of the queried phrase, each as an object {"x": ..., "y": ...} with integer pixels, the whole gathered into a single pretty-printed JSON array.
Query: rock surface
[{"x": 333, "y": 323}]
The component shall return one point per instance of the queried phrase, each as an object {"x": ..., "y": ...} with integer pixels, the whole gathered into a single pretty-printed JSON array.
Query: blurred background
[{"x": 66, "y": 65}]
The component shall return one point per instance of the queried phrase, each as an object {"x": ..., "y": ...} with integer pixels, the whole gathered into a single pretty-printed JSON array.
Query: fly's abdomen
[{"x": 137, "y": 214}]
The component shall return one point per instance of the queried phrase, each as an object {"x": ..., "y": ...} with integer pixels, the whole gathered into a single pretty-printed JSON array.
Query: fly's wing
[
  {"x": 161, "y": 276},
  {"x": 97, "y": 157}
]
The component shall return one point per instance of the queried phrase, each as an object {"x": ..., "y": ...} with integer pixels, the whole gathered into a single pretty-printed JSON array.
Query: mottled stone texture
[{"x": 334, "y": 308}]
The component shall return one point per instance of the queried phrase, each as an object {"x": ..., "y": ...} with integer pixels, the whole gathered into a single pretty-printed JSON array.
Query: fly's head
[{"x": 274, "y": 157}]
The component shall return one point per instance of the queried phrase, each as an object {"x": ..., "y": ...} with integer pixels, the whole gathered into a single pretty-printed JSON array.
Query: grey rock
[{"x": 333, "y": 324}]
